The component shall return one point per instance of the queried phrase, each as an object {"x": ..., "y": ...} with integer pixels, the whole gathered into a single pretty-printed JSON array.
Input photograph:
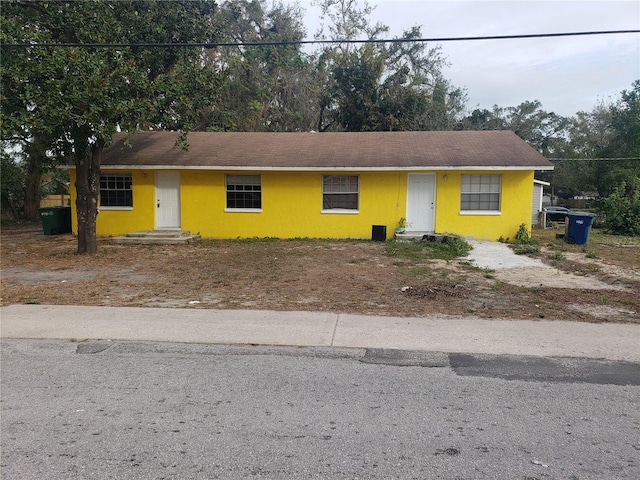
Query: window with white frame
[
  {"x": 244, "y": 192},
  {"x": 340, "y": 192},
  {"x": 480, "y": 193},
  {"x": 116, "y": 190}
]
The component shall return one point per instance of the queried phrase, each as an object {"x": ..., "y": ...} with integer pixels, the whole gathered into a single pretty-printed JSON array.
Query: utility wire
[
  {"x": 316, "y": 42},
  {"x": 598, "y": 158}
]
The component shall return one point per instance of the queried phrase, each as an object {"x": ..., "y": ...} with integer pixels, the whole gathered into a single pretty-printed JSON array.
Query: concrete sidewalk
[{"x": 440, "y": 334}]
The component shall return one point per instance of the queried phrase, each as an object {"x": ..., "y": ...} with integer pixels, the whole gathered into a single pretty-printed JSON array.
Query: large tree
[
  {"x": 625, "y": 123},
  {"x": 266, "y": 88},
  {"x": 604, "y": 145},
  {"x": 586, "y": 136},
  {"x": 622, "y": 153},
  {"x": 544, "y": 131},
  {"x": 75, "y": 98},
  {"x": 27, "y": 138},
  {"x": 379, "y": 86}
]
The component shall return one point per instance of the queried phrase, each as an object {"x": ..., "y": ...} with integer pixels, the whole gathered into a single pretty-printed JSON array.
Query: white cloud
[{"x": 566, "y": 74}]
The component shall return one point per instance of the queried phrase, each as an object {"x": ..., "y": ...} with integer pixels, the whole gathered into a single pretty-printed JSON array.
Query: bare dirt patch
[
  {"x": 322, "y": 275},
  {"x": 551, "y": 277}
]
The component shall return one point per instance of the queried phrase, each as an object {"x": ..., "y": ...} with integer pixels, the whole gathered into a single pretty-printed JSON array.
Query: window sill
[
  {"x": 243, "y": 210},
  {"x": 340, "y": 211},
  {"x": 115, "y": 208},
  {"x": 480, "y": 212}
]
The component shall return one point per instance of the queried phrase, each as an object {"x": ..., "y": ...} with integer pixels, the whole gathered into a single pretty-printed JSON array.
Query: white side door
[
  {"x": 167, "y": 200},
  {"x": 421, "y": 198}
]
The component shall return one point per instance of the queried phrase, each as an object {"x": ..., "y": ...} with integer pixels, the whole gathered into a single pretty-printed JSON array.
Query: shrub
[
  {"x": 522, "y": 235},
  {"x": 621, "y": 209},
  {"x": 414, "y": 250},
  {"x": 523, "y": 244}
]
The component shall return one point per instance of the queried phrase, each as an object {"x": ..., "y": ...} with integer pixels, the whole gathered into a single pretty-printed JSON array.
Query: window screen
[
  {"x": 480, "y": 192},
  {"x": 340, "y": 192}
]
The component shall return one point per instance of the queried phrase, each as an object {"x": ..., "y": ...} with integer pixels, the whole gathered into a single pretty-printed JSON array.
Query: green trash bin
[{"x": 55, "y": 220}]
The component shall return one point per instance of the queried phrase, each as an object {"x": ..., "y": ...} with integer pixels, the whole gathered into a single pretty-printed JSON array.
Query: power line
[
  {"x": 597, "y": 158},
  {"x": 316, "y": 42}
]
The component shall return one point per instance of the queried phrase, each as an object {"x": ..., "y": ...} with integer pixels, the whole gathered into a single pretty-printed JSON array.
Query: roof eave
[{"x": 254, "y": 168}]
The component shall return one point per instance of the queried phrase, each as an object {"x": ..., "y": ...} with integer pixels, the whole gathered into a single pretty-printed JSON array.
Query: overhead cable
[
  {"x": 315, "y": 42},
  {"x": 596, "y": 158}
]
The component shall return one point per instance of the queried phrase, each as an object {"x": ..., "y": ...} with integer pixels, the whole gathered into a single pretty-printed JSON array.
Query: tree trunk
[
  {"x": 32, "y": 191},
  {"x": 88, "y": 191},
  {"x": 35, "y": 160}
]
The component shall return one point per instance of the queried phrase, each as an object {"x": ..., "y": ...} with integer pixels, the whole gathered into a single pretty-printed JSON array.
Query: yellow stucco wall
[
  {"x": 515, "y": 209},
  {"x": 291, "y": 207},
  {"x": 118, "y": 221},
  {"x": 292, "y": 204}
]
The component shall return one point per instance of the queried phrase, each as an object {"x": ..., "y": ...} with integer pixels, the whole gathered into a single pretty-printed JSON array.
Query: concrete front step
[
  {"x": 423, "y": 236},
  {"x": 159, "y": 237},
  {"x": 411, "y": 235}
]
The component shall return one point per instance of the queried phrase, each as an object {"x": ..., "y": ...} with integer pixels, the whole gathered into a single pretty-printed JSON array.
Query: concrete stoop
[
  {"x": 156, "y": 237},
  {"x": 423, "y": 236}
]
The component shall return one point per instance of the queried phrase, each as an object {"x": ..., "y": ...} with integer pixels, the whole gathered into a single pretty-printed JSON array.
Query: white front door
[
  {"x": 167, "y": 200},
  {"x": 421, "y": 198}
]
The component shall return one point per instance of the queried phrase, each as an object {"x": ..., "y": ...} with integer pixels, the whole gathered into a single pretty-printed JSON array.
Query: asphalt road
[{"x": 163, "y": 410}]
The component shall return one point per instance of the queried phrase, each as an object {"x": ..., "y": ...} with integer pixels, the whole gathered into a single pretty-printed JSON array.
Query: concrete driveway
[{"x": 526, "y": 271}]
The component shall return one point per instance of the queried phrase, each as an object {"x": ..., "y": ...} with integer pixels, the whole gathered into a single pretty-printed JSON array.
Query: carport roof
[{"x": 326, "y": 151}]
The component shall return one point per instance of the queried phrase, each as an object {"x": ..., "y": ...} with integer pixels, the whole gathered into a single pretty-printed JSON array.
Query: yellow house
[{"x": 322, "y": 185}]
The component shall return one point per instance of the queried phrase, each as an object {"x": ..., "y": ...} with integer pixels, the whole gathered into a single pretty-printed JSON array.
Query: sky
[{"x": 566, "y": 74}]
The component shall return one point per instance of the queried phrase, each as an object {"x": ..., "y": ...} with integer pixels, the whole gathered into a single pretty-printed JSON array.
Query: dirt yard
[{"x": 361, "y": 277}]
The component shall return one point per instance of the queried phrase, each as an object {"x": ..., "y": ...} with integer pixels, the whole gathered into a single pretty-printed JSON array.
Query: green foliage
[
  {"x": 523, "y": 244},
  {"x": 12, "y": 181},
  {"x": 56, "y": 182},
  {"x": 595, "y": 150},
  {"x": 101, "y": 89},
  {"x": 418, "y": 251},
  {"x": 270, "y": 88},
  {"x": 623, "y": 145},
  {"x": 522, "y": 235},
  {"x": 71, "y": 100},
  {"x": 625, "y": 123},
  {"x": 488, "y": 272},
  {"x": 544, "y": 131},
  {"x": 525, "y": 249},
  {"x": 458, "y": 246},
  {"x": 380, "y": 87},
  {"x": 621, "y": 209},
  {"x": 403, "y": 89},
  {"x": 67, "y": 102}
]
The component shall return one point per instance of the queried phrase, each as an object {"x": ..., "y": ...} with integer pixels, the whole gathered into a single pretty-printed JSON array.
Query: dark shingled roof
[{"x": 326, "y": 151}]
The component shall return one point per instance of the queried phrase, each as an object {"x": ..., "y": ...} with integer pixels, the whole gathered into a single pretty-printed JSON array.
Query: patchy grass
[
  {"x": 613, "y": 249},
  {"x": 611, "y": 258},
  {"x": 557, "y": 256},
  {"x": 416, "y": 271},
  {"x": 416, "y": 251},
  {"x": 352, "y": 276},
  {"x": 525, "y": 249}
]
